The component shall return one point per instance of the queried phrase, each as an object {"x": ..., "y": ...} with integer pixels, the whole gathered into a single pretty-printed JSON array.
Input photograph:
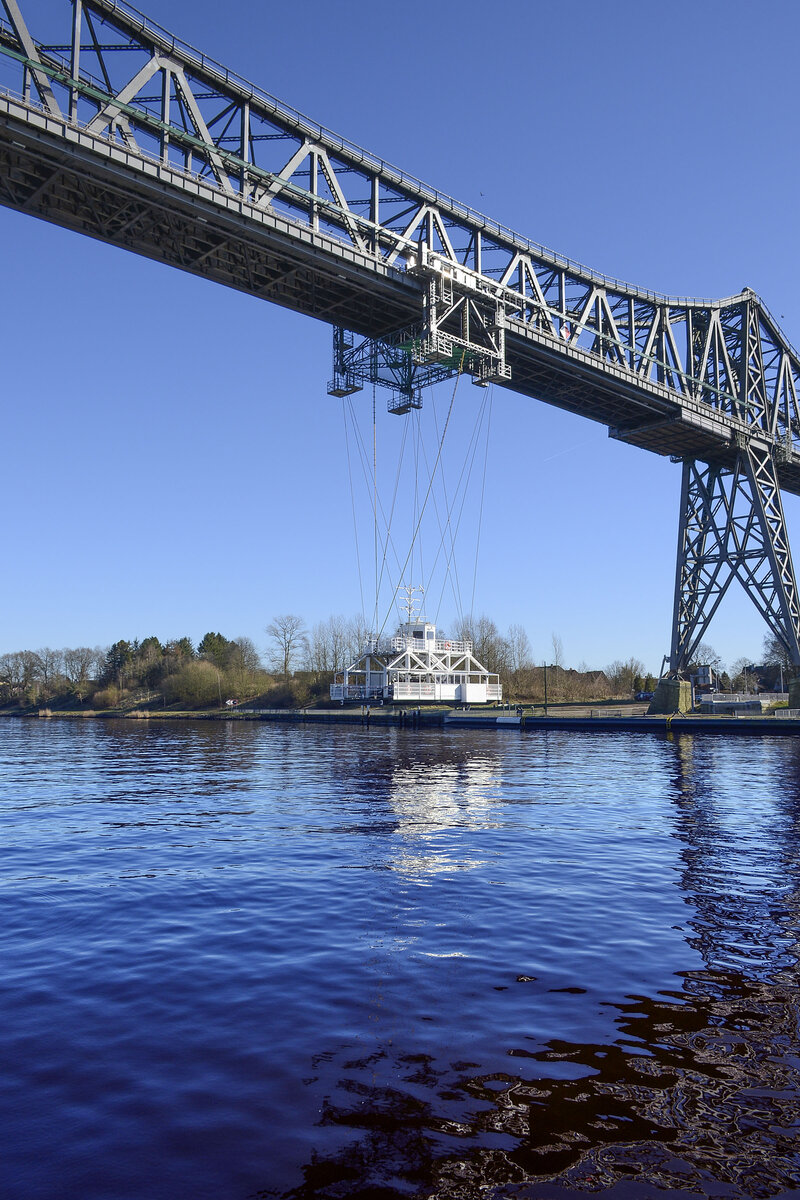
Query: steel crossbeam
[
  {"x": 393, "y": 363},
  {"x": 121, "y": 131}
]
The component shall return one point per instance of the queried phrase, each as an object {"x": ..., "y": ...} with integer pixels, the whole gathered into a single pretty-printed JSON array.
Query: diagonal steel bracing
[
  {"x": 132, "y": 113},
  {"x": 112, "y": 126},
  {"x": 732, "y": 526}
]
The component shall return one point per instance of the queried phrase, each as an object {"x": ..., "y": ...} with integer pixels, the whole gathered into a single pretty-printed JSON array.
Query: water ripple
[{"x": 250, "y": 960}]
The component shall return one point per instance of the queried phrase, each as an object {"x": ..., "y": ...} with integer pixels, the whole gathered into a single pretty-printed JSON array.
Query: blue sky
[{"x": 172, "y": 462}]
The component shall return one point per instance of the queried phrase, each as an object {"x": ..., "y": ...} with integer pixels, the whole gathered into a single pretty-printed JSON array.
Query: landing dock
[
  {"x": 593, "y": 720},
  {"x": 599, "y": 720}
]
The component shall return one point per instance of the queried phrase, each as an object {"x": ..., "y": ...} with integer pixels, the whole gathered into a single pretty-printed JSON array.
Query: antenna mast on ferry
[{"x": 411, "y": 604}]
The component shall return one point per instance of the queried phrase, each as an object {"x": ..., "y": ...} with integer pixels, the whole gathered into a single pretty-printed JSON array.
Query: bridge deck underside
[
  {"x": 275, "y": 259},
  {"x": 104, "y": 201}
]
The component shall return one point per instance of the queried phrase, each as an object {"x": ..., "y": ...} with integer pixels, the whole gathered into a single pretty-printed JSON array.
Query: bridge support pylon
[{"x": 732, "y": 526}]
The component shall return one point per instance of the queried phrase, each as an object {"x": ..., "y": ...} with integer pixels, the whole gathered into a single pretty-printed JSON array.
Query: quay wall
[{"x": 600, "y": 721}]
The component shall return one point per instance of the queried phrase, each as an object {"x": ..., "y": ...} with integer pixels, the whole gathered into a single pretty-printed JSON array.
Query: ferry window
[{"x": 429, "y": 633}]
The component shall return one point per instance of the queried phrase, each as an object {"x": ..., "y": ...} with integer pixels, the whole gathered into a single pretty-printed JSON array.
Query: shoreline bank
[{"x": 598, "y": 721}]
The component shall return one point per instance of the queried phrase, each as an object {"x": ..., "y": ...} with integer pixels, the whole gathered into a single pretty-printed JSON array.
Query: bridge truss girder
[
  {"x": 732, "y": 527},
  {"x": 122, "y": 132},
  {"x": 188, "y": 163}
]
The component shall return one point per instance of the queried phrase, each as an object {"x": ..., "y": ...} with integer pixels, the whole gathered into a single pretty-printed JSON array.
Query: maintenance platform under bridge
[{"x": 415, "y": 665}]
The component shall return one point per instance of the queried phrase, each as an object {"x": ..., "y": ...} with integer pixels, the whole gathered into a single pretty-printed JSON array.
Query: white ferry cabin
[{"x": 417, "y": 665}]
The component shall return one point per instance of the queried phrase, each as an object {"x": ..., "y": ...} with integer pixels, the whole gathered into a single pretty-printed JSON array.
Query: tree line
[
  {"x": 295, "y": 668},
  {"x": 174, "y": 672},
  {"x": 773, "y": 667},
  {"x": 297, "y": 665}
]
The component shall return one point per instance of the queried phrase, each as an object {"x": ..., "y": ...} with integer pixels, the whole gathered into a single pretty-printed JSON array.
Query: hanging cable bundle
[{"x": 432, "y": 498}]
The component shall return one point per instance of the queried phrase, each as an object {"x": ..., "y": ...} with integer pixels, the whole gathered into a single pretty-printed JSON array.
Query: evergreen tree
[
  {"x": 118, "y": 657},
  {"x": 216, "y": 649},
  {"x": 180, "y": 648}
]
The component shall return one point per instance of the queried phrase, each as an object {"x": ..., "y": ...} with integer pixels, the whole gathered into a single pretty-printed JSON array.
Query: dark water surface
[{"x": 244, "y": 960}]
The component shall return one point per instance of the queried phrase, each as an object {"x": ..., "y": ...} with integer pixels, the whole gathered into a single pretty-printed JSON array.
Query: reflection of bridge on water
[
  {"x": 695, "y": 1089},
  {"x": 118, "y": 130}
]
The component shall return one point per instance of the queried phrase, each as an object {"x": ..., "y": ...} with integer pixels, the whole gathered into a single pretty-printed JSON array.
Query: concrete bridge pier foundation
[{"x": 672, "y": 695}]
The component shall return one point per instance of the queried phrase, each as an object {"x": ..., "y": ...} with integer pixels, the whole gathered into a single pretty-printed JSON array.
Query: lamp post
[{"x": 545, "y": 688}]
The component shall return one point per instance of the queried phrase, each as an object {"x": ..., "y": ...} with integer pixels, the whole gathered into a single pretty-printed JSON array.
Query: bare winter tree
[
  {"x": 287, "y": 634},
  {"x": 12, "y": 673},
  {"x": 775, "y": 654},
  {"x": 338, "y": 643},
  {"x": 24, "y": 671},
  {"x": 81, "y": 668},
  {"x": 318, "y": 654},
  {"x": 520, "y": 655},
  {"x": 488, "y": 644},
  {"x": 740, "y": 682},
  {"x": 50, "y": 666},
  {"x": 623, "y": 676},
  {"x": 355, "y": 634},
  {"x": 519, "y": 661},
  {"x": 247, "y": 656},
  {"x": 775, "y": 668},
  {"x": 334, "y": 643},
  {"x": 706, "y": 656}
]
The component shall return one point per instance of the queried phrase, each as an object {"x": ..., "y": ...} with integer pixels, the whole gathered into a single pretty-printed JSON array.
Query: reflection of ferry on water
[{"x": 415, "y": 665}]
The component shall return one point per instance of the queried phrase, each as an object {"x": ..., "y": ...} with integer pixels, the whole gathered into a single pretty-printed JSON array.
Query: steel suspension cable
[
  {"x": 453, "y": 578},
  {"x": 469, "y": 464},
  {"x": 430, "y": 485},
  {"x": 353, "y": 506},
  {"x": 394, "y": 502},
  {"x": 418, "y": 441},
  {"x": 450, "y": 563},
  {"x": 366, "y": 471},
  {"x": 375, "y": 495},
  {"x": 480, "y": 512},
  {"x": 442, "y": 529}
]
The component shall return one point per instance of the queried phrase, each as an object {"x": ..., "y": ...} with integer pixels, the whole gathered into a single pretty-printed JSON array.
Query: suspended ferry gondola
[{"x": 417, "y": 666}]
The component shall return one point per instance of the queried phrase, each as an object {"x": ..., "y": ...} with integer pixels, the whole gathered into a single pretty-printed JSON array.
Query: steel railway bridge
[{"x": 121, "y": 131}]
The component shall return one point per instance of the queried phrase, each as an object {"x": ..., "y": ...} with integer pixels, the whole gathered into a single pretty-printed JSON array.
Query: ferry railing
[
  {"x": 354, "y": 691},
  {"x": 414, "y": 691},
  {"x": 442, "y": 646}
]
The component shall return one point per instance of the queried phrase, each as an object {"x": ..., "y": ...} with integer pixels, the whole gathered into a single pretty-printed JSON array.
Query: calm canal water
[{"x": 244, "y": 960}]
